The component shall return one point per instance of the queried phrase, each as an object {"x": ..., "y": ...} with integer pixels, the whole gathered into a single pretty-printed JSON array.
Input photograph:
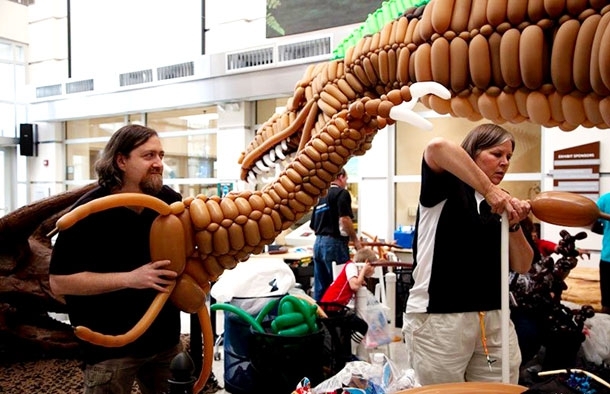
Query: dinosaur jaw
[
  {"x": 265, "y": 166},
  {"x": 276, "y": 158}
]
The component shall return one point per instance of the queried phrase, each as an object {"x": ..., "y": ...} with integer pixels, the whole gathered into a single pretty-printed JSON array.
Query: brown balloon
[
  {"x": 467, "y": 387},
  {"x": 566, "y": 209}
]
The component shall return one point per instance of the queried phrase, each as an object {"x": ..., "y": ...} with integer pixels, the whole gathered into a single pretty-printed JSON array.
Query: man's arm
[
  {"x": 151, "y": 275},
  {"x": 346, "y": 224}
]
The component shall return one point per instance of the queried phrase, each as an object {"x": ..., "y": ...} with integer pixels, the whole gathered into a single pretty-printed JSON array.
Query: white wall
[
  {"x": 236, "y": 26},
  {"x": 124, "y": 35},
  {"x": 48, "y": 38},
  {"x": 376, "y": 189},
  {"x": 234, "y": 132},
  {"x": 13, "y": 21}
]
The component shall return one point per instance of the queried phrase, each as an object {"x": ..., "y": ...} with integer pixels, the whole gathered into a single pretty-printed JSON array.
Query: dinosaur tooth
[
  {"x": 268, "y": 161},
  {"x": 262, "y": 166}
]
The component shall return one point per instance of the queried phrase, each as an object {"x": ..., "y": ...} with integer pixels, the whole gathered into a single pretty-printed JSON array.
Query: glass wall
[
  {"x": 12, "y": 88},
  {"x": 12, "y": 113},
  {"x": 522, "y": 180},
  {"x": 188, "y": 137},
  {"x": 189, "y": 140}
]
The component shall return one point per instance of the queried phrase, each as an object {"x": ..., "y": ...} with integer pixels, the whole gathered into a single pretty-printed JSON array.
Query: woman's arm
[
  {"x": 520, "y": 253},
  {"x": 443, "y": 155}
]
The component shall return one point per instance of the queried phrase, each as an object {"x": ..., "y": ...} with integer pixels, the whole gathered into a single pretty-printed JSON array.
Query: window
[
  {"x": 12, "y": 88},
  {"x": 12, "y": 113},
  {"x": 521, "y": 181},
  {"x": 188, "y": 137}
]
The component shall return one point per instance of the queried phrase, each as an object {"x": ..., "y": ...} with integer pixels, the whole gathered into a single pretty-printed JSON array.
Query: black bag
[
  {"x": 573, "y": 382},
  {"x": 340, "y": 327},
  {"x": 598, "y": 227},
  {"x": 316, "y": 214},
  {"x": 551, "y": 386}
]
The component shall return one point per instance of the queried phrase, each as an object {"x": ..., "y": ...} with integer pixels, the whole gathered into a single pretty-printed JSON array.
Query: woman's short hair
[
  {"x": 122, "y": 142},
  {"x": 485, "y": 136}
]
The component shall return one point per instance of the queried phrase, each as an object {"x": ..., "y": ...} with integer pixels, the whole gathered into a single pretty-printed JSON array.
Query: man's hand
[{"x": 153, "y": 276}]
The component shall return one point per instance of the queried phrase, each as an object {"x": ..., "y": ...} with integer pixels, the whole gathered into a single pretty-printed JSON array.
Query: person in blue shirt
[{"x": 602, "y": 226}]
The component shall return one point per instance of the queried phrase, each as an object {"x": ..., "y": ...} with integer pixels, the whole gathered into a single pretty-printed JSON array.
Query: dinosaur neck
[{"x": 242, "y": 223}]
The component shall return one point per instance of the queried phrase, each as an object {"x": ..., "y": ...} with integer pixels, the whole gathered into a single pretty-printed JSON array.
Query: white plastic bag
[
  {"x": 378, "y": 333},
  {"x": 257, "y": 277},
  {"x": 359, "y": 373},
  {"x": 596, "y": 347}
]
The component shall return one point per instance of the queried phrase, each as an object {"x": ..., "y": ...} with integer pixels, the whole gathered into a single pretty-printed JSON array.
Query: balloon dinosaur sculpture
[{"x": 543, "y": 61}]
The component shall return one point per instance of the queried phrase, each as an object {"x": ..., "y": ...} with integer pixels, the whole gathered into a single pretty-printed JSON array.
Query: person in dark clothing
[
  {"x": 332, "y": 222},
  {"x": 102, "y": 267}
]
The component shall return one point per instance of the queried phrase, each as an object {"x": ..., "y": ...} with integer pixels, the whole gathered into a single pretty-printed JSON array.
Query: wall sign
[{"x": 576, "y": 170}]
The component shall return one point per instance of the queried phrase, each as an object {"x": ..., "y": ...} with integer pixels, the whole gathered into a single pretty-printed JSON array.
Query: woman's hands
[
  {"x": 520, "y": 252},
  {"x": 500, "y": 201}
]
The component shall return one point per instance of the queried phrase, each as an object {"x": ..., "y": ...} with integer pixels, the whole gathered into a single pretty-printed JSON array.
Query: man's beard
[{"x": 152, "y": 184}]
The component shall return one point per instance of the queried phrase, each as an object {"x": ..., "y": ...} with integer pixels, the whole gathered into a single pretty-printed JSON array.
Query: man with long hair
[{"x": 102, "y": 266}]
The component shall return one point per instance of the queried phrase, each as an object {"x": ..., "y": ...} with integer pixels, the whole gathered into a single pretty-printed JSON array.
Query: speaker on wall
[{"x": 28, "y": 139}]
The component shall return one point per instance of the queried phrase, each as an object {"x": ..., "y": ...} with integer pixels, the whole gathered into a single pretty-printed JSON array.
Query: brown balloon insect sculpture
[{"x": 545, "y": 62}]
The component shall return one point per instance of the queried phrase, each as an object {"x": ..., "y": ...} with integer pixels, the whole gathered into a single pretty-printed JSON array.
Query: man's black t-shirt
[
  {"x": 325, "y": 218},
  {"x": 114, "y": 240}
]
